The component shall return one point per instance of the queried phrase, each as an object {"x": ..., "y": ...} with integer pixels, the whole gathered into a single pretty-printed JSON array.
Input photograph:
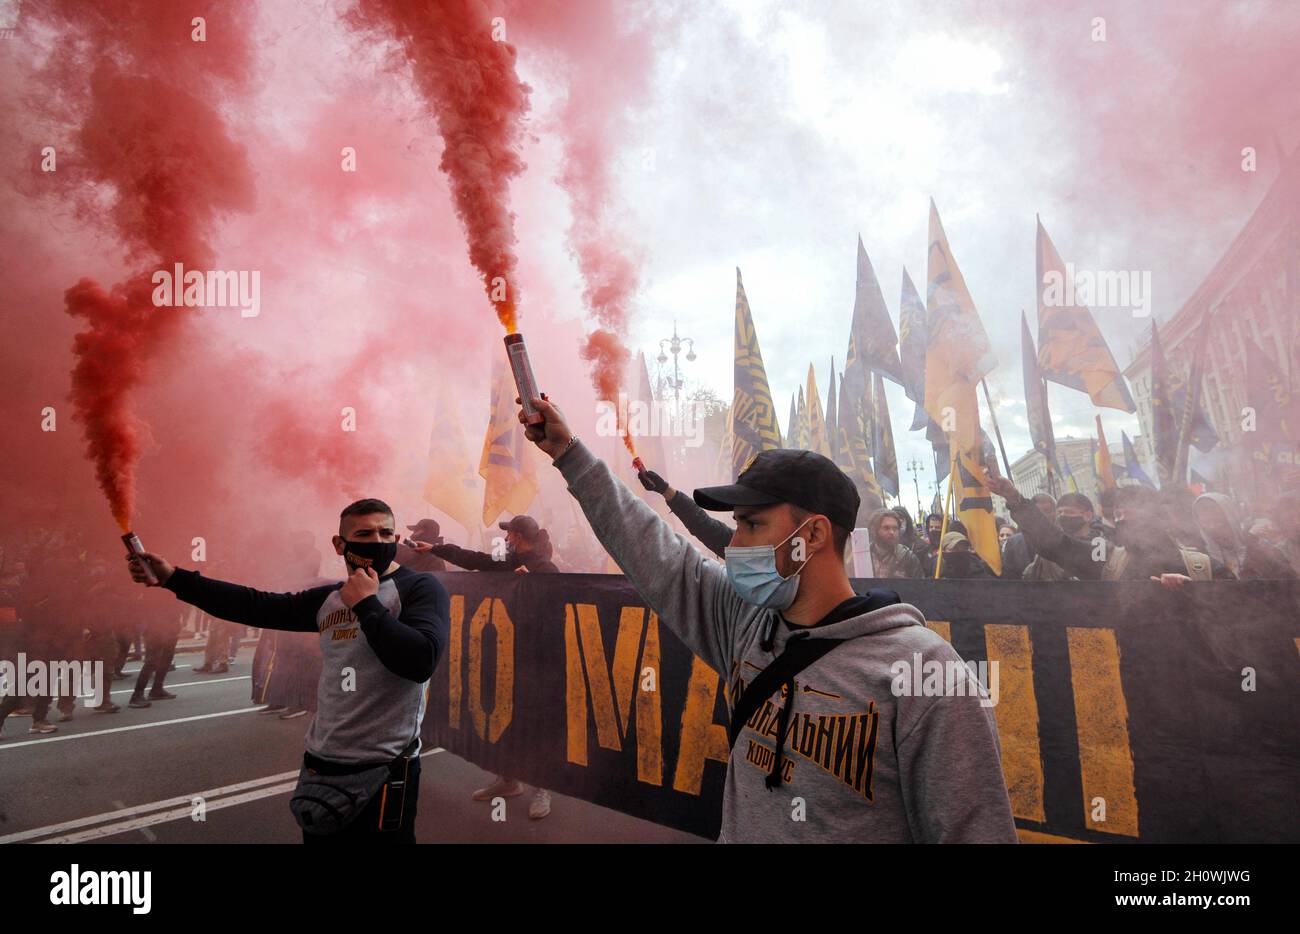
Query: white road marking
[
  {"x": 170, "y": 809},
  {"x": 124, "y": 812},
  {"x": 190, "y": 684},
  {"x": 5, "y": 747}
]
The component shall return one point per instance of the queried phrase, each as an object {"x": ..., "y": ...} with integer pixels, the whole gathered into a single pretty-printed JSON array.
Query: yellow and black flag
[
  {"x": 957, "y": 354},
  {"x": 506, "y": 463},
  {"x": 1036, "y": 410},
  {"x": 818, "y": 439},
  {"x": 1275, "y": 440},
  {"x": 852, "y": 452},
  {"x": 803, "y": 436},
  {"x": 451, "y": 485},
  {"x": 753, "y": 415},
  {"x": 873, "y": 345},
  {"x": 882, "y": 442},
  {"x": 1071, "y": 350},
  {"x": 975, "y": 503}
]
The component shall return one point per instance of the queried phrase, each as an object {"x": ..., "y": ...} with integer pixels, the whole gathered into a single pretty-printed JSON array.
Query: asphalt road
[{"x": 133, "y": 777}]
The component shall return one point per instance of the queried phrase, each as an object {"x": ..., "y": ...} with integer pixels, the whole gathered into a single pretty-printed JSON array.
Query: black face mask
[
  {"x": 1071, "y": 525},
  {"x": 933, "y": 535},
  {"x": 374, "y": 555},
  {"x": 956, "y": 563}
]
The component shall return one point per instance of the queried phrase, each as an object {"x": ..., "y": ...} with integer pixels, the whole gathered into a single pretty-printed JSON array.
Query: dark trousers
[
  {"x": 158, "y": 651},
  {"x": 11, "y": 702},
  {"x": 123, "y": 650},
  {"x": 365, "y": 829}
]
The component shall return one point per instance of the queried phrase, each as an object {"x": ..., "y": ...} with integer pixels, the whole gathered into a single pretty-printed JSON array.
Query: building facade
[{"x": 1250, "y": 294}]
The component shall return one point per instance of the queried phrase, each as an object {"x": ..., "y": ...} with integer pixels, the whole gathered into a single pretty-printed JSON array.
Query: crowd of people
[
  {"x": 67, "y": 604},
  {"x": 1133, "y": 533}
]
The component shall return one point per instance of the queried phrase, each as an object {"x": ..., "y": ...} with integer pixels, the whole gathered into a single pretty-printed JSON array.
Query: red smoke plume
[
  {"x": 604, "y": 65},
  {"x": 164, "y": 154},
  {"x": 478, "y": 102}
]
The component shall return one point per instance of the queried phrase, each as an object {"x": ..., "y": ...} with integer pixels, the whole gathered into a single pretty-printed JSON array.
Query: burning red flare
[{"x": 148, "y": 132}]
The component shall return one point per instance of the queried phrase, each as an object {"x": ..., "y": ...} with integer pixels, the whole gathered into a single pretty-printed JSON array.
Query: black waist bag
[{"x": 331, "y": 795}]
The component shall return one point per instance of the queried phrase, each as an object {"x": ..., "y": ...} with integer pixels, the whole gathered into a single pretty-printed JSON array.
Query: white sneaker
[
  {"x": 541, "y": 804},
  {"x": 502, "y": 787}
]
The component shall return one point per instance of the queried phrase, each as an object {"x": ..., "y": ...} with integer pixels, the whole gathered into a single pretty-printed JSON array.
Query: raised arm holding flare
[{"x": 871, "y": 762}]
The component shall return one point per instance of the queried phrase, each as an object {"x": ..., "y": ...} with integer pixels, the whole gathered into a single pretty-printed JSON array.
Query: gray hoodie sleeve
[
  {"x": 690, "y": 593},
  {"x": 950, "y": 771},
  {"x": 715, "y": 535}
]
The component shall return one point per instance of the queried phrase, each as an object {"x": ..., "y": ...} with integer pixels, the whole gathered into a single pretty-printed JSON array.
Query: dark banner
[{"x": 1126, "y": 713}]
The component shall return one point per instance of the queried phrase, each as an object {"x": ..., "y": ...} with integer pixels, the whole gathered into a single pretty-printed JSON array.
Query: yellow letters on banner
[
  {"x": 611, "y": 703},
  {"x": 701, "y": 737},
  {"x": 491, "y": 726},
  {"x": 942, "y": 627},
  {"x": 1105, "y": 755},
  {"x": 1017, "y": 717},
  {"x": 453, "y": 660}
]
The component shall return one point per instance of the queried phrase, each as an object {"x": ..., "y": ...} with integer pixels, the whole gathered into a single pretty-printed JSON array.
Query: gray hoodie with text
[{"x": 862, "y": 765}]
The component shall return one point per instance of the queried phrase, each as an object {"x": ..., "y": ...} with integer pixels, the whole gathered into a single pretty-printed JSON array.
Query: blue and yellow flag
[
  {"x": 506, "y": 462},
  {"x": 792, "y": 426},
  {"x": 1101, "y": 460},
  {"x": 1070, "y": 482},
  {"x": 1132, "y": 466},
  {"x": 1071, "y": 350},
  {"x": 754, "y": 426}
]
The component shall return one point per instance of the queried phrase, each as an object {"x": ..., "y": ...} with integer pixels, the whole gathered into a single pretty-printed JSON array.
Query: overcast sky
[{"x": 773, "y": 134}]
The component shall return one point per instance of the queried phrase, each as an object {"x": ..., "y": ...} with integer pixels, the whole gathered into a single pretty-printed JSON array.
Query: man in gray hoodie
[{"x": 843, "y": 749}]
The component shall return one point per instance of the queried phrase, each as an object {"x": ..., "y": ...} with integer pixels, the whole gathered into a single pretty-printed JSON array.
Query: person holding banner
[
  {"x": 832, "y": 738},
  {"x": 1142, "y": 549}
]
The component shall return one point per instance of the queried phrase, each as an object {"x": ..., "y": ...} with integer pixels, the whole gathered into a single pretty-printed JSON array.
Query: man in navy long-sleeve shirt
[{"x": 382, "y": 633}]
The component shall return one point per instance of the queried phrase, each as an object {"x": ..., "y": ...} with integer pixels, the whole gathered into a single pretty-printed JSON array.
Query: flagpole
[
  {"x": 947, "y": 509},
  {"x": 1191, "y": 402},
  {"x": 996, "y": 430}
]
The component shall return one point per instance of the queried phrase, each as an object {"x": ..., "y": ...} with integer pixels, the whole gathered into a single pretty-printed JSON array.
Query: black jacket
[{"x": 483, "y": 561}]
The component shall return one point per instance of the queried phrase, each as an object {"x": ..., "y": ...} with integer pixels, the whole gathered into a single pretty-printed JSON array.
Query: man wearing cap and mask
[
  {"x": 382, "y": 633},
  {"x": 528, "y": 548},
  {"x": 960, "y": 562},
  {"x": 821, "y": 715},
  {"x": 429, "y": 532}
]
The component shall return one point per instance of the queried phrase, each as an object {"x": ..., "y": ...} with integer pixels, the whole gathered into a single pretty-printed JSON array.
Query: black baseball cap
[
  {"x": 525, "y": 525},
  {"x": 802, "y": 478},
  {"x": 429, "y": 528}
]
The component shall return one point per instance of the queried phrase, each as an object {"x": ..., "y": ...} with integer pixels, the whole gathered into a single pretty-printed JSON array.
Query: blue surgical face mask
[{"x": 752, "y": 572}]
